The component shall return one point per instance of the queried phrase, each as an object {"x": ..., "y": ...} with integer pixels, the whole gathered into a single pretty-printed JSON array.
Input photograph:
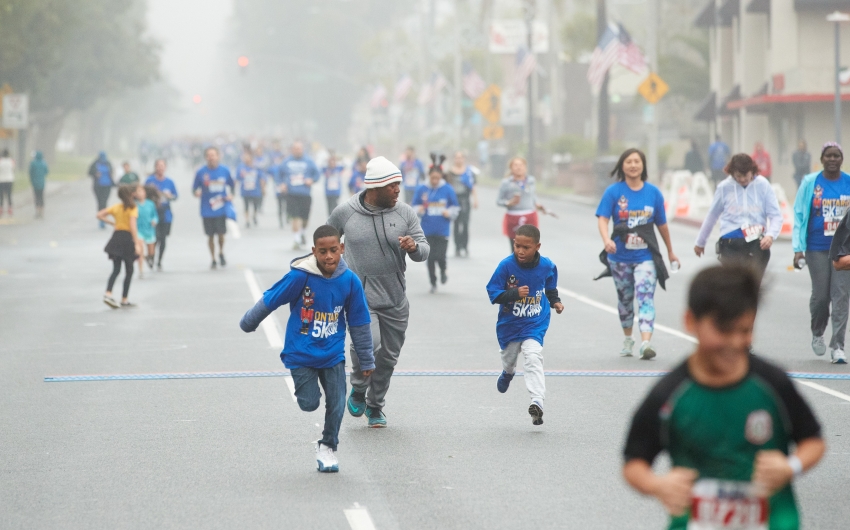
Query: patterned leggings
[{"x": 628, "y": 279}]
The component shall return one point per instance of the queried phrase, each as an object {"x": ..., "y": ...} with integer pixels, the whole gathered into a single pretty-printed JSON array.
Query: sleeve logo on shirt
[
  {"x": 817, "y": 200},
  {"x": 759, "y": 428},
  {"x": 623, "y": 203}
]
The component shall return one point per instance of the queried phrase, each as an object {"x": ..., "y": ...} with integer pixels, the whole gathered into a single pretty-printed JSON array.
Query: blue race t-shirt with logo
[
  {"x": 624, "y": 205},
  {"x": 526, "y": 318},
  {"x": 333, "y": 180},
  {"x": 318, "y": 310},
  {"x": 435, "y": 201},
  {"x": 213, "y": 184},
  {"x": 166, "y": 184},
  {"x": 295, "y": 172},
  {"x": 829, "y": 204},
  {"x": 250, "y": 179},
  {"x": 104, "y": 171}
]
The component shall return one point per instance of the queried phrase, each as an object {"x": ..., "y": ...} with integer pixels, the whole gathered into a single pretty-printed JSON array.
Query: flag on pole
[
  {"x": 526, "y": 63},
  {"x": 402, "y": 88},
  {"x": 379, "y": 97},
  {"x": 630, "y": 55},
  {"x": 615, "y": 46},
  {"x": 473, "y": 85},
  {"x": 431, "y": 89}
]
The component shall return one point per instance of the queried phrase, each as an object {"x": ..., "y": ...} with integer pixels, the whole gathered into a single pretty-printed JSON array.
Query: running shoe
[
  {"x": 247, "y": 224},
  {"x": 818, "y": 345},
  {"x": 433, "y": 289},
  {"x": 214, "y": 265},
  {"x": 536, "y": 413},
  {"x": 377, "y": 420},
  {"x": 127, "y": 305},
  {"x": 221, "y": 260},
  {"x": 443, "y": 277},
  {"x": 504, "y": 382},
  {"x": 326, "y": 459},
  {"x": 356, "y": 403},
  {"x": 296, "y": 246},
  {"x": 108, "y": 300},
  {"x": 646, "y": 351},
  {"x": 838, "y": 356},
  {"x": 159, "y": 267},
  {"x": 628, "y": 346}
]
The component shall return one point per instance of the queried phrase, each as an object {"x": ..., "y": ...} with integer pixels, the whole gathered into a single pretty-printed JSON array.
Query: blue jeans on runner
[{"x": 307, "y": 392}]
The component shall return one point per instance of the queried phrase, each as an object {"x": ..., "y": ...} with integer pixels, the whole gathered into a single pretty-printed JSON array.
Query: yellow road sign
[
  {"x": 653, "y": 88},
  {"x": 489, "y": 103},
  {"x": 493, "y": 132}
]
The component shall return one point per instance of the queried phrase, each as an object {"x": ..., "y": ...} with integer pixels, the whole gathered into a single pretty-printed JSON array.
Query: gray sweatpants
[
  {"x": 828, "y": 286},
  {"x": 388, "y": 328},
  {"x": 535, "y": 381}
]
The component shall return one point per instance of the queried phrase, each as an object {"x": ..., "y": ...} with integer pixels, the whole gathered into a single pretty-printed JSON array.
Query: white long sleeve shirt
[{"x": 737, "y": 206}]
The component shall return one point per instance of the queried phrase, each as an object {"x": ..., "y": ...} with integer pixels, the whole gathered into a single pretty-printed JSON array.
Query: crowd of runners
[{"x": 759, "y": 433}]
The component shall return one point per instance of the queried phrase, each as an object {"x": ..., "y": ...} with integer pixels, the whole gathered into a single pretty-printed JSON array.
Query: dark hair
[
  {"x": 741, "y": 163},
  {"x": 436, "y": 163},
  {"x": 153, "y": 193},
  {"x": 724, "y": 293},
  {"x": 529, "y": 231},
  {"x": 125, "y": 193},
  {"x": 618, "y": 169},
  {"x": 325, "y": 231}
]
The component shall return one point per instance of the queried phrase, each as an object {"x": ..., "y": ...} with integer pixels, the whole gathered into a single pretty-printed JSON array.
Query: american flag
[
  {"x": 402, "y": 88},
  {"x": 526, "y": 63},
  {"x": 473, "y": 85},
  {"x": 615, "y": 46},
  {"x": 379, "y": 97},
  {"x": 431, "y": 89},
  {"x": 630, "y": 55}
]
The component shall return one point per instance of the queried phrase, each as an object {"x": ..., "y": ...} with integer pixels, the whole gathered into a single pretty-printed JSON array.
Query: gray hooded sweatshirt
[{"x": 372, "y": 249}]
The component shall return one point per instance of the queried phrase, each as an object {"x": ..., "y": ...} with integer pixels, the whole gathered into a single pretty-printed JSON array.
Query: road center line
[
  {"x": 268, "y": 325},
  {"x": 359, "y": 518},
  {"x": 826, "y": 390}
]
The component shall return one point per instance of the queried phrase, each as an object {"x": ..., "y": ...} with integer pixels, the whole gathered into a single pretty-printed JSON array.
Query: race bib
[
  {"x": 635, "y": 242},
  {"x": 216, "y": 203},
  {"x": 830, "y": 225},
  {"x": 411, "y": 178},
  {"x": 296, "y": 179},
  {"x": 250, "y": 181},
  {"x": 727, "y": 505},
  {"x": 752, "y": 232},
  {"x": 436, "y": 209},
  {"x": 333, "y": 183},
  {"x": 216, "y": 186}
]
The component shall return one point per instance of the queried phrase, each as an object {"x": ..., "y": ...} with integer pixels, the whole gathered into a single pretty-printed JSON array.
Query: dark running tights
[
  {"x": 128, "y": 276},
  {"x": 160, "y": 244}
]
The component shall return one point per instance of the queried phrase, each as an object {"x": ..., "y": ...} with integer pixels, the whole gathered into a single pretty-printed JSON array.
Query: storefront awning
[
  {"x": 759, "y": 6},
  {"x": 734, "y": 95},
  {"x": 707, "y": 17},
  {"x": 809, "y": 5},
  {"x": 708, "y": 108},
  {"x": 754, "y": 103},
  {"x": 728, "y": 11}
]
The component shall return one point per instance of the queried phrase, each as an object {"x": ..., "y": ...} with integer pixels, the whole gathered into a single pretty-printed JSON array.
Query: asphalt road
[{"x": 237, "y": 452}]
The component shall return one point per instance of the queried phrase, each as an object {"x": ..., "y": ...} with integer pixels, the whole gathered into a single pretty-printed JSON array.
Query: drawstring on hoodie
[{"x": 377, "y": 237}]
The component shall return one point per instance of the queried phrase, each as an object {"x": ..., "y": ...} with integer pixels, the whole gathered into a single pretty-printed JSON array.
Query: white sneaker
[
  {"x": 326, "y": 459},
  {"x": 838, "y": 356},
  {"x": 628, "y": 346},
  {"x": 818, "y": 345},
  {"x": 646, "y": 351}
]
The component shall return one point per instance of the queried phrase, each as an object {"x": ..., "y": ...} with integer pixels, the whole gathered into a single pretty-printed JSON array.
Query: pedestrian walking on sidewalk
[
  {"x": 7, "y": 180},
  {"x": 124, "y": 243},
  {"x": 38, "y": 176},
  {"x": 381, "y": 233},
  {"x": 822, "y": 201},
  {"x": 103, "y": 180}
]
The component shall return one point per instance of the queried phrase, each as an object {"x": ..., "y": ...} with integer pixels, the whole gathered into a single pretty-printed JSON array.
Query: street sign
[
  {"x": 653, "y": 88},
  {"x": 509, "y": 35},
  {"x": 493, "y": 132},
  {"x": 514, "y": 108},
  {"x": 489, "y": 104},
  {"x": 15, "y": 111}
]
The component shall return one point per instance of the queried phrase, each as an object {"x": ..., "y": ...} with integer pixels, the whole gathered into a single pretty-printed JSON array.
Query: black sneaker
[
  {"x": 127, "y": 305},
  {"x": 443, "y": 277},
  {"x": 221, "y": 260},
  {"x": 536, "y": 414}
]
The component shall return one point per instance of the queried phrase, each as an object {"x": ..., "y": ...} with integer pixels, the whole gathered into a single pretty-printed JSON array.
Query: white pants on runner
[{"x": 533, "y": 366}]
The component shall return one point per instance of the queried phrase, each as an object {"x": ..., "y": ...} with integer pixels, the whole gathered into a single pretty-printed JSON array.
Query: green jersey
[
  {"x": 129, "y": 178},
  {"x": 717, "y": 432}
]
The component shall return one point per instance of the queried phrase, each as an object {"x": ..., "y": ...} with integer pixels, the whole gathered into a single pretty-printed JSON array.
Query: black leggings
[
  {"x": 6, "y": 191},
  {"x": 128, "y": 276},
  {"x": 437, "y": 256},
  {"x": 281, "y": 208},
  {"x": 462, "y": 223},
  {"x": 101, "y": 193}
]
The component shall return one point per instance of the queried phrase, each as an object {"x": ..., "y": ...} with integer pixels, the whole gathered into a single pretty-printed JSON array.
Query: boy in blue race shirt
[
  {"x": 252, "y": 183},
  {"x": 525, "y": 285},
  {"x": 322, "y": 292},
  {"x": 211, "y": 183}
]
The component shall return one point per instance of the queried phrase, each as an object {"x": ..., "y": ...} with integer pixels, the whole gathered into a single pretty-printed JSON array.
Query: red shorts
[{"x": 514, "y": 221}]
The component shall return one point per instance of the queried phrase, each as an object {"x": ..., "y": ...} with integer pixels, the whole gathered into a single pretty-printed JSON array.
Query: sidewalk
[{"x": 23, "y": 202}]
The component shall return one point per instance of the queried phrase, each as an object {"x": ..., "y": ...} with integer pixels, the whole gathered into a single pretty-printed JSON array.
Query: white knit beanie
[{"x": 381, "y": 172}]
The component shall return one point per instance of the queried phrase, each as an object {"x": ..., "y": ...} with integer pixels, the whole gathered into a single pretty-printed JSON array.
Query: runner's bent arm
[
  {"x": 710, "y": 220},
  {"x": 505, "y": 196},
  {"x": 414, "y": 231},
  {"x": 772, "y": 212},
  {"x": 359, "y": 320},
  {"x": 602, "y": 224},
  {"x": 285, "y": 291}
]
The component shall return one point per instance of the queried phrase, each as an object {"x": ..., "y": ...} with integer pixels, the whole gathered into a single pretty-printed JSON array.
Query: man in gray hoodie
[{"x": 380, "y": 233}]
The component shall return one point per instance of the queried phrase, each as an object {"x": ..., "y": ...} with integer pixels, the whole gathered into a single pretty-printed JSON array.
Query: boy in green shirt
[{"x": 726, "y": 418}]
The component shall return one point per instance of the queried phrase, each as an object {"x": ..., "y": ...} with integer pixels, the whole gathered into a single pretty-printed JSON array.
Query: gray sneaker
[
  {"x": 628, "y": 346},
  {"x": 838, "y": 357},
  {"x": 818, "y": 345},
  {"x": 646, "y": 351}
]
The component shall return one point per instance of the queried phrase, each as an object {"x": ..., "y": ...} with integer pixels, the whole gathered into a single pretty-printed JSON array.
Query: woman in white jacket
[
  {"x": 749, "y": 214},
  {"x": 7, "y": 179}
]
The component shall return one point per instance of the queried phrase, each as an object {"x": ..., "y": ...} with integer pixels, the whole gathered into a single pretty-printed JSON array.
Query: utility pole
[
  {"x": 529, "y": 28},
  {"x": 652, "y": 52},
  {"x": 458, "y": 111},
  {"x": 837, "y": 18},
  {"x": 602, "y": 139}
]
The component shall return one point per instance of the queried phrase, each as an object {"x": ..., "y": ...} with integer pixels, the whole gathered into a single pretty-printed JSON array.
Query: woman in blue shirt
[
  {"x": 822, "y": 200},
  {"x": 749, "y": 214},
  {"x": 437, "y": 205},
  {"x": 633, "y": 255}
]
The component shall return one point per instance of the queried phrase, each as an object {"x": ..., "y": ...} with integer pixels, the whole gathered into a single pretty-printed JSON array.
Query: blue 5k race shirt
[
  {"x": 435, "y": 202},
  {"x": 166, "y": 184},
  {"x": 621, "y": 204},
  {"x": 526, "y": 318},
  {"x": 213, "y": 184},
  {"x": 318, "y": 310},
  {"x": 333, "y": 180},
  {"x": 250, "y": 180},
  {"x": 294, "y": 172},
  {"x": 829, "y": 204}
]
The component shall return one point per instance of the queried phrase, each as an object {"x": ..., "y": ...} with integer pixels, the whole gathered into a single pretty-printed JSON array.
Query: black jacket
[
  {"x": 647, "y": 233},
  {"x": 841, "y": 240}
]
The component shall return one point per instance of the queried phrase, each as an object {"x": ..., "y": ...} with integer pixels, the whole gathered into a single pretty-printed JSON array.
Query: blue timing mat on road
[{"x": 397, "y": 373}]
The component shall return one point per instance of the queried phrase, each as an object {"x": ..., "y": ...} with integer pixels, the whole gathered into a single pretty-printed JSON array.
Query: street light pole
[
  {"x": 837, "y": 18},
  {"x": 529, "y": 23}
]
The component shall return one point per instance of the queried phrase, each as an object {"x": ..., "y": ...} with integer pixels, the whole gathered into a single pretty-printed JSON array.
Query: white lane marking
[
  {"x": 268, "y": 325},
  {"x": 825, "y": 390},
  {"x": 359, "y": 518},
  {"x": 613, "y": 311},
  {"x": 233, "y": 228}
]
